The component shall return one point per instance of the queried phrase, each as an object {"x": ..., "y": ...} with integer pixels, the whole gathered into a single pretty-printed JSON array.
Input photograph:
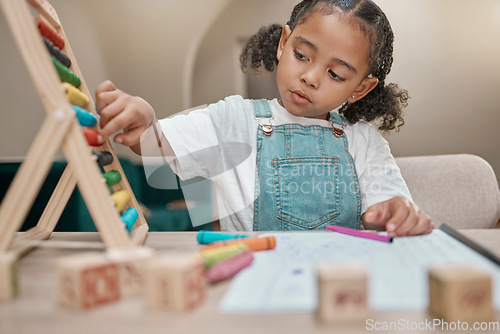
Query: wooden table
[{"x": 36, "y": 310}]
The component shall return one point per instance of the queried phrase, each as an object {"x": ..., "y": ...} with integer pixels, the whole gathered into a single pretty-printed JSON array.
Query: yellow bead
[
  {"x": 120, "y": 198},
  {"x": 75, "y": 96}
]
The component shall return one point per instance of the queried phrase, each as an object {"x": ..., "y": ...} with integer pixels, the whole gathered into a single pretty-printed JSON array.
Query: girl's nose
[{"x": 311, "y": 77}]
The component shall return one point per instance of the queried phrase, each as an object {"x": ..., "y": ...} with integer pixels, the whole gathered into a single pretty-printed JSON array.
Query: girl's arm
[
  {"x": 386, "y": 197},
  {"x": 133, "y": 115}
]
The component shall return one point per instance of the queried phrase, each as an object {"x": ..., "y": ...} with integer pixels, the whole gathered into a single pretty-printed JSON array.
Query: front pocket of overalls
[{"x": 306, "y": 190}]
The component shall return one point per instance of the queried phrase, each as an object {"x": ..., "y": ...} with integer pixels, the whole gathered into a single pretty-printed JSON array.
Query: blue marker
[{"x": 207, "y": 237}]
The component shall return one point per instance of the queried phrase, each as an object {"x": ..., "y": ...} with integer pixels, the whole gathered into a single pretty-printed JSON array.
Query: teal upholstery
[{"x": 76, "y": 217}]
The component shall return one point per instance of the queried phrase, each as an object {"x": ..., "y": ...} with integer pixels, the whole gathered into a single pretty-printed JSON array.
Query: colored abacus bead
[
  {"x": 120, "y": 198},
  {"x": 112, "y": 177},
  {"x": 104, "y": 158},
  {"x": 129, "y": 218},
  {"x": 92, "y": 137},
  {"x": 65, "y": 74},
  {"x": 84, "y": 117},
  {"x": 56, "y": 52},
  {"x": 48, "y": 32},
  {"x": 75, "y": 96}
]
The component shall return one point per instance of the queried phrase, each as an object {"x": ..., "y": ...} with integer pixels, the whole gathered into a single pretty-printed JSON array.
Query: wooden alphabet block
[
  {"x": 132, "y": 264},
  {"x": 460, "y": 293},
  {"x": 87, "y": 280},
  {"x": 175, "y": 283},
  {"x": 342, "y": 293},
  {"x": 8, "y": 277}
]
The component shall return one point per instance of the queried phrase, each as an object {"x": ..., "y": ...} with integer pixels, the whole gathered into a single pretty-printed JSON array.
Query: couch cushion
[{"x": 459, "y": 190}]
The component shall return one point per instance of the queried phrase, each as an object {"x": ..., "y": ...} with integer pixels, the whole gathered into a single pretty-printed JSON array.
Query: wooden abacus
[{"x": 60, "y": 129}]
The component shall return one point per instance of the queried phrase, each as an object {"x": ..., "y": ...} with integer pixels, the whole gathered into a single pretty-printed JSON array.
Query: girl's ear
[
  {"x": 366, "y": 86},
  {"x": 285, "y": 34}
]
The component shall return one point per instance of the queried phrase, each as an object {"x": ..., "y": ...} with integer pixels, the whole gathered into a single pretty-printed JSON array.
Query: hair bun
[{"x": 260, "y": 50}]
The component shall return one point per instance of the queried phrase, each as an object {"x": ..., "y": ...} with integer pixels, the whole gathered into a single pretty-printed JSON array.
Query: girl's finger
[
  {"x": 424, "y": 226},
  {"x": 407, "y": 223},
  {"x": 114, "y": 119},
  {"x": 400, "y": 212},
  {"x": 129, "y": 138},
  {"x": 105, "y": 86},
  {"x": 106, "y": 98}
]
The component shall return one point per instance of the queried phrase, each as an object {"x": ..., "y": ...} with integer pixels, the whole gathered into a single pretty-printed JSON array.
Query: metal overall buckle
[
  {"x": 267, "y": 129},
  {"x": 337, "y": 131}
]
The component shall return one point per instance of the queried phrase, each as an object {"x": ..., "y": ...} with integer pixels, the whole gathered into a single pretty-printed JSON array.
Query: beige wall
[
  {"x": 178, "y": 54},
  {"x": 146, "y": 47},
  {"x": 447, "y": 55}
]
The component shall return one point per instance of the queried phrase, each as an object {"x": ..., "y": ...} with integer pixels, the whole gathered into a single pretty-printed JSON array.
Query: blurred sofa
[
  {"x": 459, "y": 190},
  {"x": 159, "y": 213}
]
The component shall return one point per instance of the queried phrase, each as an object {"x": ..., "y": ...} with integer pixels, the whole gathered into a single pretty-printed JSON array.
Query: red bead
[
  {"x": 47, "y": 32},
  {"x": 92, "y": 137}
]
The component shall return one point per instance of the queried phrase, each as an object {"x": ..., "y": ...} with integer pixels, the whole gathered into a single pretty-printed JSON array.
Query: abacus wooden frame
[{"x": 60, "y": 129}]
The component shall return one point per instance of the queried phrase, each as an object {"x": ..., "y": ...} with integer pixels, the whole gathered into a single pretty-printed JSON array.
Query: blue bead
[
  {"x": 129, "y": 218},
  {"x": 84, "y": 117}
]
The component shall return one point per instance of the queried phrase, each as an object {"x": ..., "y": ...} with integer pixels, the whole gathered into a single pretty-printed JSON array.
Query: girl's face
[{"x": 323, "y": 63}]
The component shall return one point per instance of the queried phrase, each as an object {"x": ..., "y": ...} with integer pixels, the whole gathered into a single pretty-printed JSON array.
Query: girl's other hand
[
  {"x": 399, "y": 216},
  {"x": 121, "y": 111}
]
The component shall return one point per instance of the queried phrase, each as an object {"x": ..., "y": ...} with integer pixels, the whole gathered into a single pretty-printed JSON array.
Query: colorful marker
[
  {"x": 207, "y": 237},
  {"x": 254, "y": 244},
  {"x": 229, "y": 267},
  {"x": 361, "y": 234},
  {"x": 213, "y": 256}
]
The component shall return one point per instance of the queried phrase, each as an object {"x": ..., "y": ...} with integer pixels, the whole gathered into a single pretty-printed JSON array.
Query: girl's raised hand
[
  {"x": 399, "y": 216},
  {"x": 121, "y": 111}
]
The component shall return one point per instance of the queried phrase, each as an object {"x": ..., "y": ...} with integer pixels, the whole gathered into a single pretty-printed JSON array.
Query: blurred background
[{"x": 179, "y": 54}]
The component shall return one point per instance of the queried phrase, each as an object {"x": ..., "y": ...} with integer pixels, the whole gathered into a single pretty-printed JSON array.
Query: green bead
[
  {"x": 65, "y": 74},
  {"x": 112, "y": 178}
]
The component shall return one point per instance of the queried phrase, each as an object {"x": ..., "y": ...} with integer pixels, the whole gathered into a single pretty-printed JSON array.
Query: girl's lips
[{"x": 300, "y": 97}]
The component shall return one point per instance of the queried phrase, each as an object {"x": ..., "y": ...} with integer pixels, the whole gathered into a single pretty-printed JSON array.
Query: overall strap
[
  {"x": 336, "y": 118},
  {"x": 338, "y": 124},
  {"x": 262, "y": 109}
]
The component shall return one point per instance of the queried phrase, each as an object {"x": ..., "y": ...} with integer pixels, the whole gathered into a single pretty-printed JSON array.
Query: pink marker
[
  {"x": 229, "y": 267},
  {"x": 358, "y": 233}
]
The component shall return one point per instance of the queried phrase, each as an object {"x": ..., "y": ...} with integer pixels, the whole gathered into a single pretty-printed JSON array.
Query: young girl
[{"x": 310, "y": 158}]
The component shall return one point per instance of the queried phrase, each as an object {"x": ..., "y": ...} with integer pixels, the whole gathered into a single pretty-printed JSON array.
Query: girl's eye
[
  {"x": 299, "y": 55},
  {"x": 334, "y": 76}
]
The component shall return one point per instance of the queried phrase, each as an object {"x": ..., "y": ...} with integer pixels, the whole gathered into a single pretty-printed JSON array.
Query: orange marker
[{"x": 254, "y": 244}]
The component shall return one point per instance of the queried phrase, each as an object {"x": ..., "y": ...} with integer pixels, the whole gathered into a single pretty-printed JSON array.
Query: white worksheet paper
[{"x": 284, "y": 279}]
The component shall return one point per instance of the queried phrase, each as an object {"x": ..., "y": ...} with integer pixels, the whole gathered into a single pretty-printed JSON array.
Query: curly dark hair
[{"x": 386, "y": 101}]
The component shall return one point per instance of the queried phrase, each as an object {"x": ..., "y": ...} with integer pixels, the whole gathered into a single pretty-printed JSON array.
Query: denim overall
[{"x": 305, "y": 177}]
